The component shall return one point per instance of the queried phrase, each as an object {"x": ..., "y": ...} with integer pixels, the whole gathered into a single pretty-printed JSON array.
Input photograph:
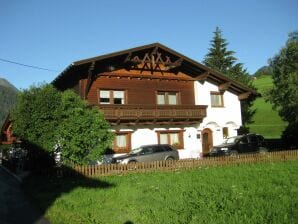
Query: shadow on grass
[
  {"x": 45, "y": 189},
  {"x": 44, "y": 186}
]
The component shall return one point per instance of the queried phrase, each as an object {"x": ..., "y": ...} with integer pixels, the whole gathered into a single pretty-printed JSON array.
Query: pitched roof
[{"x": 189, "y": 66}]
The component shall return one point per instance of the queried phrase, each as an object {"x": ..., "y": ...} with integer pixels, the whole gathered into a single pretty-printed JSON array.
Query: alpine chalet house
[{"x": 153, "y": 95}]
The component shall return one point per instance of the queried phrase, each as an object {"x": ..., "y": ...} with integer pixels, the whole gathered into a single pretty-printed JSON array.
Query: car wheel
[
  {"x": 132, "y": 165},
  {"x": 169, "y": 159},
  {"x": 263, "y": 150},
  {"x": 233, "y": 153},
  {"x": 132, "y": 162}
]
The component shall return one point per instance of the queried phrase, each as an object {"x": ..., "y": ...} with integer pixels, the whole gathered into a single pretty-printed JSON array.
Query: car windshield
[
  {"x": 136, "y": 151},
  {"x": 231, "y": 140}
]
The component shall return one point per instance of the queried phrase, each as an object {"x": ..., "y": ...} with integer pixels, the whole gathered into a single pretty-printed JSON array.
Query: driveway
[{"x": 15, "y": 206}]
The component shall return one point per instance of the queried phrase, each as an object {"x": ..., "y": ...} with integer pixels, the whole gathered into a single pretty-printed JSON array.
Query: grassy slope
[
  {"x": 266, "y": 120},
  {"x": 262, "y": 193}
]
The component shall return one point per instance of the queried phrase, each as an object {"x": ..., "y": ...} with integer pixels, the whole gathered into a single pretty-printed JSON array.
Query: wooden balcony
[{"x": 153, "y": 114}]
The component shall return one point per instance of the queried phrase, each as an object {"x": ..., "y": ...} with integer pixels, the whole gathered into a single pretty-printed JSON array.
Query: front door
[{"x": 207, "y": 141}]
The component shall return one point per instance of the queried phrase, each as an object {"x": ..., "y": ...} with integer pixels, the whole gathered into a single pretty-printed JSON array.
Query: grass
[
  {"x": 266, "y": 120},
  {"x": 261, "y": 193}
]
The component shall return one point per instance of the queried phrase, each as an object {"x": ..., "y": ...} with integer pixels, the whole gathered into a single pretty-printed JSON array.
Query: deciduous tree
[
  {"x": 48, "y": 119},
  {"x": 284, "y": 94}
]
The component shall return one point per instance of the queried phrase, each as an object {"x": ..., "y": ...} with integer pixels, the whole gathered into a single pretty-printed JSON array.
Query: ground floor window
[
  {"x": 171, "y": 137},
  {"x": 225, "y": 132},
  {"x": 122, "y": 142}
]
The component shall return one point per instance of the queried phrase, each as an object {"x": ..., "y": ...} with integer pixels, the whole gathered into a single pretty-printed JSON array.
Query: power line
[{"x": 30, "y": 66}]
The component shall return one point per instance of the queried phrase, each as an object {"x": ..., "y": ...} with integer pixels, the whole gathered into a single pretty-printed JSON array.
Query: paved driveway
[{"x": 15, "y": 206}]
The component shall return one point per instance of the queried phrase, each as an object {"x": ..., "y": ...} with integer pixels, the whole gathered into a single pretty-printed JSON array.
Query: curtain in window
[
  {"x": 172, "y": 98},
  {"x": 104, "y": 96},
  {"x": 163, "y": 138},
  {"x": 161, "y": 98},
  {"x": 119, "y": 97},
  {"x": 174, "y": 138},
  {"x": 121, "y": 141},
  {"x": 216, "y": 100}
]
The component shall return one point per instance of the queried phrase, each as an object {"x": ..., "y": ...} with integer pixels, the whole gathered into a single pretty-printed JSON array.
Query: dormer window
[
  {"x": 112, "y": 97},
  {"x": 167, "y": 98},
  {"x": 216, "y": 99}
]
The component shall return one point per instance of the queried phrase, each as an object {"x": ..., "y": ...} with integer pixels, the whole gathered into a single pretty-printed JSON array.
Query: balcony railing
[{"x": 117, "y": 114}]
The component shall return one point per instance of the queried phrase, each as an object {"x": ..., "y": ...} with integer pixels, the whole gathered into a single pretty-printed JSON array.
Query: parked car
[
  {"x": 148, "y": 153},
  {"x": 239, "y": 144}
]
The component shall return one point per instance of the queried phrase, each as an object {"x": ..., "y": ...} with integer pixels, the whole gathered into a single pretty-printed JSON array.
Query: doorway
[{"x": 207, "y": 141}]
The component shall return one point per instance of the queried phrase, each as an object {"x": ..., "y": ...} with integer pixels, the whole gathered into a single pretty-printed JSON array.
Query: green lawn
[
  {"x": 266, "y": 120},
  {"x": 262, "y": 193}
]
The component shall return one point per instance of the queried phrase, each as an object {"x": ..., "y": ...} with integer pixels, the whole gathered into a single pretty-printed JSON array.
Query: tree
[
  {"x": 222, "y": 60},
  {"x": 219, "y": 58},
  {"x": 35, "y": 116},
  {"x": 83, "y": 134},
  {"x": 284, "y": 94},
  {"x": 47, "y": 118}
]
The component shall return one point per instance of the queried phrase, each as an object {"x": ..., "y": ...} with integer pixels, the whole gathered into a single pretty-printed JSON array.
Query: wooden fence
[{"x": 120, "y": 169}]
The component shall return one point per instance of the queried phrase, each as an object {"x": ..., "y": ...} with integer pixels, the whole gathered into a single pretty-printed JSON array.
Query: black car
[
  {"x": 239, "y": 144},
  {"x": 148, "y": 153}
]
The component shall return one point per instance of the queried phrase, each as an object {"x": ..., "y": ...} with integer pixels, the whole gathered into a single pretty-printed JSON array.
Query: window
[
  {"x": 167, "y": 98},
  {"x": 225, "y": 132},
  {"x": 216, "y": 99},
  {"x": 174, "y": 138},
  {"x": 122, "y": 142},
  {"x": 112, "y": 97}
]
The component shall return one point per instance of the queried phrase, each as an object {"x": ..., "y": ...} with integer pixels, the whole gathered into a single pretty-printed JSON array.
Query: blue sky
[{"x": 54, "y": 33}]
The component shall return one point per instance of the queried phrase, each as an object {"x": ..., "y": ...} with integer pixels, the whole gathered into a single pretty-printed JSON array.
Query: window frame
[
  {"x": 126, "y": 149},
  {"x": 111, "y": 95},
  {"x": 166, "y": 97},
  {"x": 168, "y": 133},
  {"x": 213, "y": 93}
]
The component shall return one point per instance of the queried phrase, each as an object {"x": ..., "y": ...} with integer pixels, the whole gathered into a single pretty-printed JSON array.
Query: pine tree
[
  {"x": 223, "y": 60},
  {"x": 219, "y": 58}
]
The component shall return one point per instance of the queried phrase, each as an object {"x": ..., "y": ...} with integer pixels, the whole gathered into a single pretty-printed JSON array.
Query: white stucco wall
[
  {"x": 143, "y": 136},
  {"x": 217, "y": 118}
]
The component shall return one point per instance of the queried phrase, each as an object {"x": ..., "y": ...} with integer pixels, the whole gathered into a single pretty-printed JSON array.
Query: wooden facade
[{"x": 141, "y": 104}]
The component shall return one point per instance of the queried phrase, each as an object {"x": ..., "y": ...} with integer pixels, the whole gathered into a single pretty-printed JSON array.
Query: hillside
[
  {"x": 265, "y": 70},
  {"x": 266, "y": 120},
  {"x": 8, "y": 95}
]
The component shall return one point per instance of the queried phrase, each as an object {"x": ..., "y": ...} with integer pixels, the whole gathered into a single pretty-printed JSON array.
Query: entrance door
[{"x": 207, "y": 141}]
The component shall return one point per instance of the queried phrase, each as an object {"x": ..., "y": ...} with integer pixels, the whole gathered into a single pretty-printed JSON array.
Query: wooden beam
[
  {"x": 172, "y": 65},
  {"x": 244, "y": 96},
  {"x": 224, "y": 86},
  {"x": 154, "y": 51},
  {"x": 89, "y": 79},
  {"x": 203, "y": 77},
  {"x": 128, "y": 58}
]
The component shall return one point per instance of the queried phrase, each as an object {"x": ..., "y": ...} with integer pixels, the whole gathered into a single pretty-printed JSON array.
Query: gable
[{"x": 153, "y": 61}]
